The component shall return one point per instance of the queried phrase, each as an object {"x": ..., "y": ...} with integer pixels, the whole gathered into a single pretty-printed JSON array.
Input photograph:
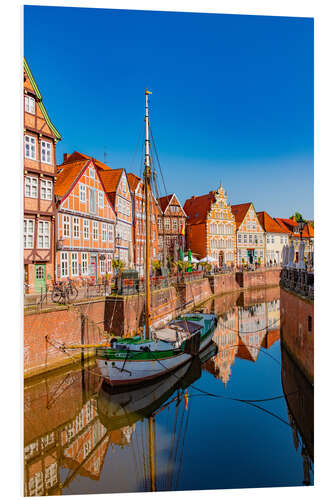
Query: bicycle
[{"x": 64, "y": 291}]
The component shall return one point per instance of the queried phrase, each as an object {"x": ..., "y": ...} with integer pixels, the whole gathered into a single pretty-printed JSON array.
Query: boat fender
[{"x": 113, "y": 342}]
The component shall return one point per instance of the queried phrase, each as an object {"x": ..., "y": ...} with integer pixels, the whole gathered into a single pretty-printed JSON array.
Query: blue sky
[{"x": 232, "y": 97}]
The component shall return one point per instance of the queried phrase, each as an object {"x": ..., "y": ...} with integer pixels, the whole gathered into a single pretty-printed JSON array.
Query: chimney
[{"x": 66, "y": 156}]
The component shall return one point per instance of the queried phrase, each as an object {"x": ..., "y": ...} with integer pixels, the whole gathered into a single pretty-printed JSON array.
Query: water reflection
[{"x": 83, "y": 436}]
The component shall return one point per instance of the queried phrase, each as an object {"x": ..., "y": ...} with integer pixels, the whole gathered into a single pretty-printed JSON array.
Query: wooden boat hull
[{"x": 134, "y": 371}]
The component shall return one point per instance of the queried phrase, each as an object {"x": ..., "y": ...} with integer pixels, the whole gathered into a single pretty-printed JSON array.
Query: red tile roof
[
  {"x": 66, "y": 178},
  {"x": 76, "y": 156},
  {"x": 283, "y": 225},
  {"x": 164, "y": 201},
  {"x": 133, "y": 181},
  {"x": 110, "y": 179},
  {"x": 288, "y": 224},
  {"x": 198, "y": 207},
  {"x": 239, "y": 212},
  {"x": 308, "y": 231},
  {"x": 269, "y": 225}
]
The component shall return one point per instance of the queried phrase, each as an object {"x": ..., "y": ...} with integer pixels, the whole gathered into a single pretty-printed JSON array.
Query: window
[
  {"x": 250, "y": 238},
  {"x": 268, "y": 239},
  {"x": 76, "y": 227},
  {"x": 30, "y": 147},
  {"x": 104, "y": 231},
  {"x": 86, "y": 449},
  {"x": 272, "y": 238},
  {"x": 100, "y": 199},
  {"x": 92, "y": 200},
  {"x": 74, "y": 262},
  {"x": 85, "y": 229},
  {"x": 67, "y": 226},
  {"x": 29, "y": 225},
  {"x": 95, "y": 230},
  {"x": 29, "y": 104},
  {"x": 45, "y": 189},
  {"x": 63, "y": 264},
  {"x": 245, "y": 238},
  {"x": 84, "y": 263},
  {"x": 153, "y": 236},
  {"x": 43, "y": 234},
  {"x": 109, "y": 263},
  {"x": 30, "y": 187},
  {"x": 239, "y": 238},
  {"x": 45, "y": 152},
  {"x": 92, "y": 172},
  {"x": 174, "y": 224},
  {"x": 167, "y": 223},
  {"x": 110, "y": 232},
  {"x": 83, "y": 193},
  {"x": 160, "y": 241},
  {"x": 159, "y": 223},
  {"x": 102, "y": 265}
]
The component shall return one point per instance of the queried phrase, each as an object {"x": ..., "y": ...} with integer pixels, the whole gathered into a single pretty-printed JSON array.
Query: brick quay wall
[
  {"x": 90, "y": 322},
  {"x": 297, "y": 334}
]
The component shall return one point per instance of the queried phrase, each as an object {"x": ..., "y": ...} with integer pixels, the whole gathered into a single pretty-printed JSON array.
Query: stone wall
[
  {"x": 44, "y": 331},
  {"x": 297, "y": 334}
]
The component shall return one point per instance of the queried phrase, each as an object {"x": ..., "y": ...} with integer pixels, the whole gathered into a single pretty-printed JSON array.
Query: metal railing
[{"x": 298, "y": 280}]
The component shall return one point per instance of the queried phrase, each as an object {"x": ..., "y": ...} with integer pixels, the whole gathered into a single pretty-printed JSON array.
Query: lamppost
[{"x": 301, "y": 224}]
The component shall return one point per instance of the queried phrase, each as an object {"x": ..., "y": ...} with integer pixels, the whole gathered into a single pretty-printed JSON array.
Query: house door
[
  {"x": 93, "y": 265},
  {"x": 250, "y": 254},
  {"x": 40, "y": 282}
]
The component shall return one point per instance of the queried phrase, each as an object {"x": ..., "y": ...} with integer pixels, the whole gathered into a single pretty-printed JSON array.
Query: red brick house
[
  {"x": 211, "y": 228},
  {"x": 40, "y": 139}
]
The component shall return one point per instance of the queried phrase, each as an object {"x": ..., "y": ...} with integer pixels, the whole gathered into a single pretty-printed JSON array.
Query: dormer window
[{"x": 29, "y": 104}]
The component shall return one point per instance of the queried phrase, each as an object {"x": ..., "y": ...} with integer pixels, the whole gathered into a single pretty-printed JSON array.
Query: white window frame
[
  {"x": 104, "y": 231},
  {"x": 84, "y": 263},
  {"x": 109, "y": 263},
  {"x": 100, "y": 199},
  {"x": 29, "y": 104},
  {"x": 64, "y": 264},
  {"x": 95, "y": 230},
  {"x": 29, "y": 230},
  {"x": 46, "y": 189},
  {"x": 110, "y": 233},
  {"x": 83, "y": 192},
  {"x": 30, "y": 183},
  {"x": 92, "y": 172},
  {"x": 102, "y": 266},
  {"x": 74, "y": 264},
  {"x": 44, "y": 234},
  {"x": 174, "y": 224},
  {"x": 167, "y": 223},
  {"x": 30, "y": 143},
  {"x": 66, "y": 226},
  {"x": 92, "y": 200},
  {"x": 46, "y": 152},
  {"x": 86, "y": 229},
  {"x": 76, "y": 228}
]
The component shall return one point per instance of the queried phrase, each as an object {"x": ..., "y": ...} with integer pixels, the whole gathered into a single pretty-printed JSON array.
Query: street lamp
[{"x": 301, "y": 225}]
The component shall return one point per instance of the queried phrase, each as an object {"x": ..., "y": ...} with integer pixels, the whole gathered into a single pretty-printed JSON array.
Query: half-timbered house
[
  {"x": 250, "y": 240},
  {"x": 40, "y": 139},
  {"x": 139, "y": 223},
  {"x": 85, "y": 222},
  {"x": 170, "y": 222}
]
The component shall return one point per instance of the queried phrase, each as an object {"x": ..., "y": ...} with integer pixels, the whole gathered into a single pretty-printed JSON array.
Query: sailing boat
[{"x": 136, "y": 360}]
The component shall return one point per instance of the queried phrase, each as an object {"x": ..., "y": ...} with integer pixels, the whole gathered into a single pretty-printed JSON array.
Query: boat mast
[{"x": 147, "y": 182}]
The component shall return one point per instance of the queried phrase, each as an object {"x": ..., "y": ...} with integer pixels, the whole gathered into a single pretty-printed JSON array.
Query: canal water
[{"x": 240, "y": 417}]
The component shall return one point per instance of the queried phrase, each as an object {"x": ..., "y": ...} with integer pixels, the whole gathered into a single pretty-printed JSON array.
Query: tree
[{"x": 298, "y": 216}]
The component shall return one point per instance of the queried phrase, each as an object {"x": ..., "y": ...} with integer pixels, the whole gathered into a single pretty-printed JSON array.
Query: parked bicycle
[{"x": 64, "y": 292}]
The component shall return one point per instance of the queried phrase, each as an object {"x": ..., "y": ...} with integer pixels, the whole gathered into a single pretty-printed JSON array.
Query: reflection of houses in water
[
  {"x": 252, "y": 330},
  {"x": 273, "y": 323},
  {"x": 298, "y": 393},
  {"x": 226, "y": 339}
]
